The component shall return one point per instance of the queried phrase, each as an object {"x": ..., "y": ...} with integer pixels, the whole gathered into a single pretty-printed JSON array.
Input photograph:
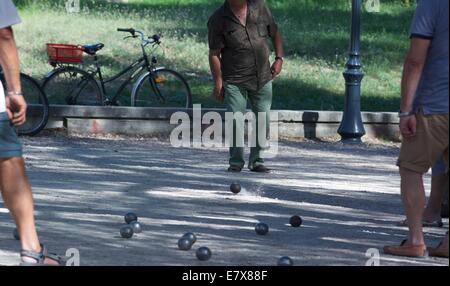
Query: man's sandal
[
  {"x": 438, "y": 251},
  {"x": 40, "y": 257},
  {"x": 407, "y": 250},
  {"x": 436, "y": 223}
]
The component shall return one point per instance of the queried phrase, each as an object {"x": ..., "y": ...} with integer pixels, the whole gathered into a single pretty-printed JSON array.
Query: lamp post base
[{"x": 351, "y": 141}]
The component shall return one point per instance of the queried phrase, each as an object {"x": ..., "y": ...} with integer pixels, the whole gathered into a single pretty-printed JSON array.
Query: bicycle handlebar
[
  {"x": 131, "y": 30},
  {"x": 155, "y": 39}
]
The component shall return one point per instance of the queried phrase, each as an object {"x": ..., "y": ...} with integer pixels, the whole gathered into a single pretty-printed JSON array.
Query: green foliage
[{"x": 316, "y": 35}]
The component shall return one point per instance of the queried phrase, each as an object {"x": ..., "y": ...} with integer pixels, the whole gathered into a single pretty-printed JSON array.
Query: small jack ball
[
  {"x": 203, "y": 253},
  {"x": 285, "y": 261},
  {"x": 130, "y": 217},
  {"x": 184, "y": 244},
  {"x": 262, "y": 228},
  {"x": 137, "y": 228},
  {"x": 126, "y": 231},
  {"x": 296, "y": 221},
  {"x": 16, "y": 234},
  {"x": 235, "y": 188},
  {"x": 191, "y": 237}
]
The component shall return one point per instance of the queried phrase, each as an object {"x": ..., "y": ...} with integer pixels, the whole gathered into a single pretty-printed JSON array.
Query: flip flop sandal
[
  {"x": 40, "y": 257},
  {"x": 437, "y": 252},
  {"x": 436, "y": 223},
  {"x": 409, "y": 251}
]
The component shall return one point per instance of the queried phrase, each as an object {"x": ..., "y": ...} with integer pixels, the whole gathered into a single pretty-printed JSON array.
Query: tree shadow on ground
[{"x": 95, "y": 182}]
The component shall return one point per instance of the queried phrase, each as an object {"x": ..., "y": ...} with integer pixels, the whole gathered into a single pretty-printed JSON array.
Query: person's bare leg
[
  {"x": 413, "y": 197},
  {"x": 16, "y": 192},
  {"x": 441, "y": 250},
  {"x": 18, "y": 199},
  {"x": 445, "y": 243},
  {"x": 434, "y": 205}
]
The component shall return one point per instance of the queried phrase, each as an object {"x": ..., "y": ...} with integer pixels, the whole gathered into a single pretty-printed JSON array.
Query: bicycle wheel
[
  {"x": 162, "y": 88},
  {"x": 37, "y": 111},
  {"x": 72, "y": 86}
]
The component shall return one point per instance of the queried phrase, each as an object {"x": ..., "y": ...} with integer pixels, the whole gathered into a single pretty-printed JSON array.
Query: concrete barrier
[{"x": 156, "y": 121}]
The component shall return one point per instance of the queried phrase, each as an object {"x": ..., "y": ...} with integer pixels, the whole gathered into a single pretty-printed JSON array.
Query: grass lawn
[{"x": 316, "y": 35}]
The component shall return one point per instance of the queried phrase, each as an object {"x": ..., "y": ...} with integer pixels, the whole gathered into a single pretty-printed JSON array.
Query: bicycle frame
[
  {"x": 137, "y": 67},
  {"x": 144, "y": 65}
]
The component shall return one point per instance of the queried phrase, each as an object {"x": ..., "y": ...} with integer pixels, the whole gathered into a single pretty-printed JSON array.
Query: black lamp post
[{"x": 352, "y": 128}]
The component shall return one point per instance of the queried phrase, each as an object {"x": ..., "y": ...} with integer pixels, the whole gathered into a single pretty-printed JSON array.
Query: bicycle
[
  {"x": 38, "y": 107},
  {"x": 153, "y": 86}
]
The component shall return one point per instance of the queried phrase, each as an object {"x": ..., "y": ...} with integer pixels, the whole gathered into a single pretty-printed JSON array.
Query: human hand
[{"x": 16, "y": 108}]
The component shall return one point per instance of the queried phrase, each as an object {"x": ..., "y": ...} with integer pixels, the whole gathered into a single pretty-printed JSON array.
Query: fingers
[
  {"x": 275, "y": 70},
  {"x": 412, "y": 126},
  {"x": 17, "y": 109},
  {"x": 19, "y": 118},
  {"x": 222, "y": 95},
  {"x": 407, "y": 134},
  {"x": 408, "y": 128},
  {"x": 274, "y": 73},
  {"x": 10, "y": 114},
  {"x": 413, "y": 129},
  {"x": 219, "y": 94}
]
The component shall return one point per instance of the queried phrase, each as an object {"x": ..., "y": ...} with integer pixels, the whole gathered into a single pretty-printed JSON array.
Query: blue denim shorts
[{"x": 9, "y": 142}]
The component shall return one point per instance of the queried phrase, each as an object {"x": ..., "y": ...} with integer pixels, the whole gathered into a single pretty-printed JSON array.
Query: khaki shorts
[{"x": 431, "y": 141}]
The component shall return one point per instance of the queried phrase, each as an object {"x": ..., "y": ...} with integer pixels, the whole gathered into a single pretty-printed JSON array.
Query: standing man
[
  {"x": 238, "y": 35},
  {"x": 423, "y": 118},
  {"x": 14, "y": 186}
]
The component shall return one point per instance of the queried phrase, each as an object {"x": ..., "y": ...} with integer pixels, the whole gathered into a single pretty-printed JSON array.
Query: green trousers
[{"x": 260, "y": 101}]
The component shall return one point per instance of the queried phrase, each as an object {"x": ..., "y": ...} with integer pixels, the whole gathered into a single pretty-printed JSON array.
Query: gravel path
[{"x": 348, "y": 197}]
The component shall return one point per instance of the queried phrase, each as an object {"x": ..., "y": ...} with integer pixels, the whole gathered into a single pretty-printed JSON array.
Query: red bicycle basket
[{"x": 62, "y": 53}]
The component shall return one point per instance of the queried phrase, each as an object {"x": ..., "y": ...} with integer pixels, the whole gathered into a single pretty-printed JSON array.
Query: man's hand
[
  {"x": 215, "y": 66},
  {"x": 218, "y": 92},
  {"x": 276, "y": 68},
  {"x": 408, "y": 126},
  {"x": 16, "y": 108}
]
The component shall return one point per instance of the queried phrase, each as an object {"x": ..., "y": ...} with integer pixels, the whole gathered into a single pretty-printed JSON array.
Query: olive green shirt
[{"x": 244, "y": 49}]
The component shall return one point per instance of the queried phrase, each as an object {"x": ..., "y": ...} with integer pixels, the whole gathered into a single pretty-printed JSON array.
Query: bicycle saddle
[{"x": 92, "y": 49}]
